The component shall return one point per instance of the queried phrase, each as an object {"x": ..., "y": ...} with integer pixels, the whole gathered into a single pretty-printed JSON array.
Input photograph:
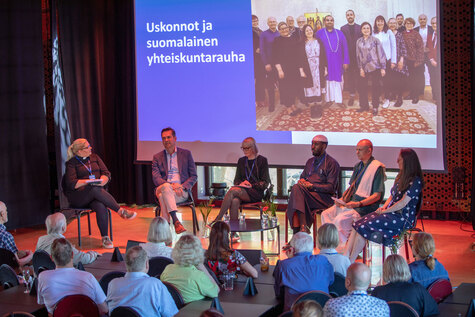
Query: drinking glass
[
  {"x": 27, "y": 278},
  {"x": 228, "y": 281}
]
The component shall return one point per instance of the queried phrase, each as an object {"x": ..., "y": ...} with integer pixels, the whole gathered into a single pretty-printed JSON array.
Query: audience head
[
  {"x": 272, "y": 23},
  {"x": 395, "y": 269},
  {"x": 79, "y": 147},
  {"x": 62, "y": 252},
  {"x": 136, "y": 259},
  {"x": 302, "y": 242},
  {"x": 3, "y": 213},
  {"x": 358, "y": 277},
  {"x": 319, "y": 145},
  {"x": 188, "y": 251},
  {"x": 409, "y": 23},
  {"x": 249, "y": 147},
  {"x": 380, "y": 24},
  {"x": 218, "y": 241},
  {"x": 159, "y": 231},
  {"x": 423, "y": 247},
  {"x": 364, "y": 150},
  {"x": 307, "y": 308},
  {"x": 56, "y": 223},
  {"x": 211, "y": 312},
  {"x": 409, "y": 168},
  {"x": 328, "y": 236}
]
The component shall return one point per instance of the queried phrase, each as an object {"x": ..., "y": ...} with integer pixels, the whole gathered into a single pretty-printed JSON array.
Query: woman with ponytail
[
  {"x": 83, "y": 184},
  {"x": 425, "y": 269}
]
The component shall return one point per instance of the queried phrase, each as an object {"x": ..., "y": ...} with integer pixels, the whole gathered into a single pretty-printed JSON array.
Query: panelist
[
  {"x": 174, "y": 173},
  {"x": 250, "y": 182},
  {"x": 318, "y": 183},
  {"x": 83, "y": 184},
  {"x": 364, "y": 194}
]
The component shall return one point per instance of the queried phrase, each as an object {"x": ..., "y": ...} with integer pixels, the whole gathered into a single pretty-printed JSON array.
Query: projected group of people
[{"x": 315, "y": 63}]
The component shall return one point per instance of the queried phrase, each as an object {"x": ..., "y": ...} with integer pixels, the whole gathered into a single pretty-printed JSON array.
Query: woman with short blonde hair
[
  {"x": 426, "y": 269},
  {"x": 159, "y": 237},
  {"x": 328, "y": 241},
  {"x": 398, "y": 288},
  {"x": 188, "y": 274}
]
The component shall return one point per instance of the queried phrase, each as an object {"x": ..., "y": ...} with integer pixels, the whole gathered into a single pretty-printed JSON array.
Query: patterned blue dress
[{"x": 384, "y": 228}]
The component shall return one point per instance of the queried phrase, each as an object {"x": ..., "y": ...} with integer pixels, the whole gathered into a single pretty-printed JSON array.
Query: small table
[
  {"x": 262, "y": 277},
  {"x": 103, "y": 265},
  {"x": 15, "y": 299},
  {"x": 462, "y": 294},
  {"x": 251, "y": 225}
]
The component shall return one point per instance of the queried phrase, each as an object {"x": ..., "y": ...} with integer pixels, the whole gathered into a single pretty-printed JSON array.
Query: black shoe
[
  {"x": 398, "y": 103},
  {"x": 351, "y": 102},
  {"x": 295, "y": 112},
  {"x": 415, "y": 100},
  {"x": 316, "y": 112},
  {"x": 375, "y": 111},
  {"x": 408, "y": 97},
  {"x": 362, "y": 109}
]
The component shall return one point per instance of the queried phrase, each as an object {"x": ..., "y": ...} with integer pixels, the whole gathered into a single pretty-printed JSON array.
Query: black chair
[
  {"x": 338, "y": 287},
  {"x": 398, "y": 309},
  {"x": 123, "y": 311},
  {"x": 78, "y": 212},
  {"x": 7, "y": 257},
  {"x": 317, "y": 296},
  {"x": 42, "y": 261},
  {"x": 105, "y": 280},
  {"x": 176, "y": 295},
  {"x": 190, "y": 202},
  {"x": 252, "y": 256},
  {"x": 132, "y": 243},
  {"x": 8, "y": 277},
  {"x": 157, "y": 264},
  {"x": 259, "y": 204}
]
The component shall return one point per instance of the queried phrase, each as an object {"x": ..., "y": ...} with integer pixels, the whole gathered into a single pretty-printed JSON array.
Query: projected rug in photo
[{"x": 404, "y": 121}]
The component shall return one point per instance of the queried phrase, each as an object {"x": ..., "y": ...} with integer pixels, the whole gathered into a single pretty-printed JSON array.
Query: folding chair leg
[
  {"x": 78, "y": 217},
  {"x": 88, "y": 222},
  {"x": 195, "y": 220},
  {"x": 406, "y": 246},
  {"x": 109, "y": 216}
]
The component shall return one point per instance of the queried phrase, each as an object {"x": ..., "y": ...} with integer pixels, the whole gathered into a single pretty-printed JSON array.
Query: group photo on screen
[{"x": 347, "y": 66}]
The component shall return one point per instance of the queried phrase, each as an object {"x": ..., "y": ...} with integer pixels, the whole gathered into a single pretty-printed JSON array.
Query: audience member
[
  {"x": 55, "y": 227},
  {"x": 327, "y": 243},
  {"x": 221, "y": 258},
  {"x": 426, "y": 269},
  {"x": 7, "y": 241},
  {"x": 145, "y": 294},
  {"x": 307, "y": 308},
  {"x": 174, "y": 173},
  {"x": 188, "y": 273},
  {"x": 159, "y": 237},
  {"x": 302, "y": 271},
  {"x": 66, "y": 280},
  {"x": 357, "y": 303},
  {"x": 398, "y": 288}
]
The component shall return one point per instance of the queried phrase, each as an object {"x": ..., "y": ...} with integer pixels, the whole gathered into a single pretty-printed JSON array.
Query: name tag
[{"x": 92, "y": 176}]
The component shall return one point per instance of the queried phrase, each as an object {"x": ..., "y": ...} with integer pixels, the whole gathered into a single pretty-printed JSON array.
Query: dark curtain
[
  {"x": 24, "y": 176},
  {"x": 97, "y": 58}
]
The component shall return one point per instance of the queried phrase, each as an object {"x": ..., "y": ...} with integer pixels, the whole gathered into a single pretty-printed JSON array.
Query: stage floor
[{"x": 454, "y": 246}]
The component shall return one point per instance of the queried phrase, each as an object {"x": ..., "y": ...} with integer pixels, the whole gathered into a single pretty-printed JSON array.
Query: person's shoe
[
  {"x": 375, "y": 111},
  {"x": 415, "y": 100},
  {"x": 386, "y": 104},
  {"x": 295, "y": 112},
  {"x": 179, "y": 227},
  {"x": 408, "y": 97},
  {"x": 341, "y": 105},
  {"x": 107, "y": 243},
  {"x": 236, "y": 238},
  {"x": 362, "y": 109},
  {"x": 351, "y": 102},
  {"x": 124, "y": 214},
  {"x": 398, "y": 102}
]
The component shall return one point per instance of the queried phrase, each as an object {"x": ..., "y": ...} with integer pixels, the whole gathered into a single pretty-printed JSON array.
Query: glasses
[
  {"x": 245, "y": 148},
  {"x": 284, "y": 28},
  {"x": 86, "y": 147}
]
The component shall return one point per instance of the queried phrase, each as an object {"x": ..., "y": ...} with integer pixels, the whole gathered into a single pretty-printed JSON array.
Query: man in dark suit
[
  {"x": 174, "y": 173},
  {"x": 426, "y": 32},
  {"x": 433, "y": 62},
  {"x": 352, "y": 33}
]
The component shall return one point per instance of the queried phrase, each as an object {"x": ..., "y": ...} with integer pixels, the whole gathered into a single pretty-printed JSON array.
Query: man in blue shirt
[
  {"x": 145, "y": 294},
  {"x": 302, "y": 271},
  {"x": 265, "y": 45}
]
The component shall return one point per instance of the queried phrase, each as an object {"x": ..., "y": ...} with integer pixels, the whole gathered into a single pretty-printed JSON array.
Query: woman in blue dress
[{"x": 397, "y": 214}]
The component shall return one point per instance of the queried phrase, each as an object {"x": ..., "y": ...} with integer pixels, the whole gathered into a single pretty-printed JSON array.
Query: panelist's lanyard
[
  {"x": 89, "y": 169},
  {"x": 248, "y": 176}
]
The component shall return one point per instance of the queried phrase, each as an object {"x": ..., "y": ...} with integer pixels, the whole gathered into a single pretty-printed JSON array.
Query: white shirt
[
  {"x": 388, "y": 41},
  {"x": 157, "y": 249},
  {"x": 339, "y": 262},
  {"x": 45, "y": 243},
  {"x": 147, "y": 295},
  {"x": 423, "y": 33},
  {"x": 56, "y": 284}
]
